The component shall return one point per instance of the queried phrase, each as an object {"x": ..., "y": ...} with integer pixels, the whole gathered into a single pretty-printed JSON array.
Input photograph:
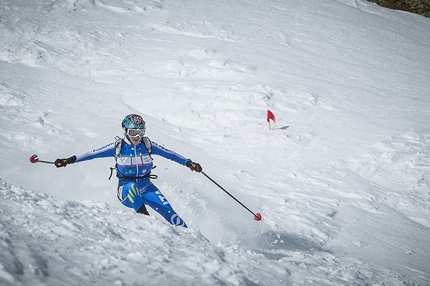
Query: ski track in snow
[{"x": 342, "y": 181}]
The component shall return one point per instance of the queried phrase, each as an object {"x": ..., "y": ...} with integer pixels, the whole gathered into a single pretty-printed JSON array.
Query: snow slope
[{"x": 342, "y": 181}]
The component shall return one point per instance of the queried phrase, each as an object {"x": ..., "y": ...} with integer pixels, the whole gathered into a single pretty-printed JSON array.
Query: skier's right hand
[{"x": 64, "y": 162}]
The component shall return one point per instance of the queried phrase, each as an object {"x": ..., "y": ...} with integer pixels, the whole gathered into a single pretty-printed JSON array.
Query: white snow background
[{"x": 342, "y": 181}]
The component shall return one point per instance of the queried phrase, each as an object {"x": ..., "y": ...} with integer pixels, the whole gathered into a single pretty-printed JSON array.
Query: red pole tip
[
  {"x": 34, "y": 158},
  {"x": 257, "y": 217}
]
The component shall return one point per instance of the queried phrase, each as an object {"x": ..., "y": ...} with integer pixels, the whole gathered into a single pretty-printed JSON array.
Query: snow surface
[{"x": 342, "y": 181}]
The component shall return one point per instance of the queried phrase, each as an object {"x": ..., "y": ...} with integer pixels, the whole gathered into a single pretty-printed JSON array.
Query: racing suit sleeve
[
  {"x": 102, "y": 152},
  {"x": 168, "y": 154}
]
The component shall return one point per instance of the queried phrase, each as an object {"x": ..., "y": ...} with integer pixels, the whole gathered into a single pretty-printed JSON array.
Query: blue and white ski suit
[{"x": 134, "y": 164}]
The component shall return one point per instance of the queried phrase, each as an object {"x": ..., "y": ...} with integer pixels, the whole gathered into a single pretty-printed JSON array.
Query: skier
[{"x": 133, "y": 165}]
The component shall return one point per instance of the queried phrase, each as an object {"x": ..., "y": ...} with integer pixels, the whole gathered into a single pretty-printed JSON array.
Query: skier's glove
[
  {"x": 64, "y": 162},
  {"x": 194, "y": 166}
]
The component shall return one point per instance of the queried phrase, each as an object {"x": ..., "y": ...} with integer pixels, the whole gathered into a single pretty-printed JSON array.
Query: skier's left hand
[{"x": 194, "y": 166}]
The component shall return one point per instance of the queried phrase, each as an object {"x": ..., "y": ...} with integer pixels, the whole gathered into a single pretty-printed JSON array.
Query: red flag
[{"x": 270, "y": 116}]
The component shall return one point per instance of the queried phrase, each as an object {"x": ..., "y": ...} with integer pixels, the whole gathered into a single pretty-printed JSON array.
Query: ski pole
[
  {"x": 257, "y": 216},
  {"x": 35, "y": 159}
]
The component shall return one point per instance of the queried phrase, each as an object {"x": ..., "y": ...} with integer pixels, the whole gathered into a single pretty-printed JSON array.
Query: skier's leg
[
  {"x": 130, "y": 196},
  {"x": 156, "y": 200}
]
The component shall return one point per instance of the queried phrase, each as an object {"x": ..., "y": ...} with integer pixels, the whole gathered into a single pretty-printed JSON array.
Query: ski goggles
[{"x": 136, "y": 132}]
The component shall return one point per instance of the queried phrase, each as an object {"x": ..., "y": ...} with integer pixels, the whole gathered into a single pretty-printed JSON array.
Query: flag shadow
[{"x": 281, "y": 128}]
